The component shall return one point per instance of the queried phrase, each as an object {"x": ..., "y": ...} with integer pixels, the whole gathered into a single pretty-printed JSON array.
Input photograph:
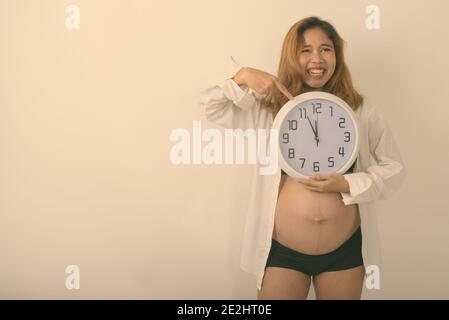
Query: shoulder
[
  {"x": 365, "y": 108},
  {"x": 368, "y": 112}
]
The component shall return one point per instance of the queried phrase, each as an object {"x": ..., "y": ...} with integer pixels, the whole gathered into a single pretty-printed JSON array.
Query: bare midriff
[{"x": 312, "y": 222}]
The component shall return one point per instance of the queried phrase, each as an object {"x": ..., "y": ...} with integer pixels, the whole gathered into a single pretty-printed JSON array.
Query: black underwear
[{"x": 347, "y": 256}]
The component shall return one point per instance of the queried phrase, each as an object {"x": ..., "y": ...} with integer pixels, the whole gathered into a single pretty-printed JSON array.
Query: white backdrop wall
[{"x": 86, "y": 115}]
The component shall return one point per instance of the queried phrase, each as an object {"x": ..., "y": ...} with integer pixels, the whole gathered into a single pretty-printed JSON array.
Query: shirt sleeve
[
  {"x": 379, "y": 181},
  {"x": 229, "y": 105}
]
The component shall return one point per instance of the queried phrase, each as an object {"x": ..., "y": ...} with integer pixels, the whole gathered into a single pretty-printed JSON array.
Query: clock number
[
  {"x": 332, "y": 111},
  {"x": 302, "y": 113},
  {"x": 292, "y": 124},
  {"x": 342, "y": 122},
  {"x": 285, "y": 138},
  {"x": 303, "y": 161},
  {"x": 348, "y": 136},
  {"x": 316, "y": 166},
  {"x": 291, "y": 153},
  {"x": 341, "y": 150},
  {"x": 316, "y": 109},
  {"x": 331, "y": 160}
]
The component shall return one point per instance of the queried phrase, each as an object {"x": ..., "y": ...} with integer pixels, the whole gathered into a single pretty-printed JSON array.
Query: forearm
[
  {"x": 239, "y": 77},
  {"x": 344, "y": 185}
]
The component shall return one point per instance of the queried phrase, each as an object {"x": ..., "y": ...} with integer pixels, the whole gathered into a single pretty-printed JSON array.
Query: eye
[
  {"x": 327, "y": 49},
  {"x": 305, "y": 50}
]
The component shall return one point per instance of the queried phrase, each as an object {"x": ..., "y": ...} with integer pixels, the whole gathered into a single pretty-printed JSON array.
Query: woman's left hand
[{"x": 325, "y": 182}]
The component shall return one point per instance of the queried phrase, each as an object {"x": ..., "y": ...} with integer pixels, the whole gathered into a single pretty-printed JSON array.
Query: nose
[{"x": 316, "y": 57}]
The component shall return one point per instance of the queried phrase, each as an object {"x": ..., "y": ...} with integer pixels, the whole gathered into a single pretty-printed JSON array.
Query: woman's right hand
[{"x": 260, "y": 81}]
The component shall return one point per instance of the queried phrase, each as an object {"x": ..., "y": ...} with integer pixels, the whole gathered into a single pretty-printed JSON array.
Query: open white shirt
[{"x": 378, "y": 172}]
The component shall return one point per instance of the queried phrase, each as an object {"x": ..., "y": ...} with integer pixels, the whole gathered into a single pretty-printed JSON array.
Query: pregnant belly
[{"x": 312, "y": 222}]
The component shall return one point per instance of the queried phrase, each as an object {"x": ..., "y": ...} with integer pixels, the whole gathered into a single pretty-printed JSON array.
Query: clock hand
[{"x": 312, "y": 127}]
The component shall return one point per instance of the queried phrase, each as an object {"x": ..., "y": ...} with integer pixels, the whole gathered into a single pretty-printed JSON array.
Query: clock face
[{"x": 317, "y": 134}]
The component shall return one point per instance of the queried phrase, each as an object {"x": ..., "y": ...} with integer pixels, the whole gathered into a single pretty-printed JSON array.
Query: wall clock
[{"x": 318, "y": 133}]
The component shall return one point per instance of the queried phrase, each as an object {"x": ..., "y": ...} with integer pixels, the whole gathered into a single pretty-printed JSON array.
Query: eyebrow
[{"x": 323, "y": 45}]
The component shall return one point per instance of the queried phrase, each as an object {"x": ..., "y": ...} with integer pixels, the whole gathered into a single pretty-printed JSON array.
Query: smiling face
[{"x": 317, "y": 58}]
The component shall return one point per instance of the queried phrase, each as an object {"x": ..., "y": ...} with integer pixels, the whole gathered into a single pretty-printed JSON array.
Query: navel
[{"x": 318, "y": 220}]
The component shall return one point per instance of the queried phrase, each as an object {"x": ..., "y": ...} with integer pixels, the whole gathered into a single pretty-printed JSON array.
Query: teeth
[{"x": 316, "y": 71}]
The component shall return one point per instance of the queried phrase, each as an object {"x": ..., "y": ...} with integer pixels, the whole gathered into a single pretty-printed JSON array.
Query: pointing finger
[{"x": 283, "y": 89}]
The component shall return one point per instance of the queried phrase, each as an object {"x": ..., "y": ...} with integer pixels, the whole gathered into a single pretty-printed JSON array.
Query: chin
[{"x": 315, "y": 86}]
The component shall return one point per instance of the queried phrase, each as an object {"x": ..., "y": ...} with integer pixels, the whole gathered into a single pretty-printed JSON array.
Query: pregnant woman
[{"x": 315, "y": 225}]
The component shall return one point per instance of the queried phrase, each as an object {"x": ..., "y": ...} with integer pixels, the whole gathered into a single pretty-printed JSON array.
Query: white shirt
[{"x": 378, "y": 173}]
